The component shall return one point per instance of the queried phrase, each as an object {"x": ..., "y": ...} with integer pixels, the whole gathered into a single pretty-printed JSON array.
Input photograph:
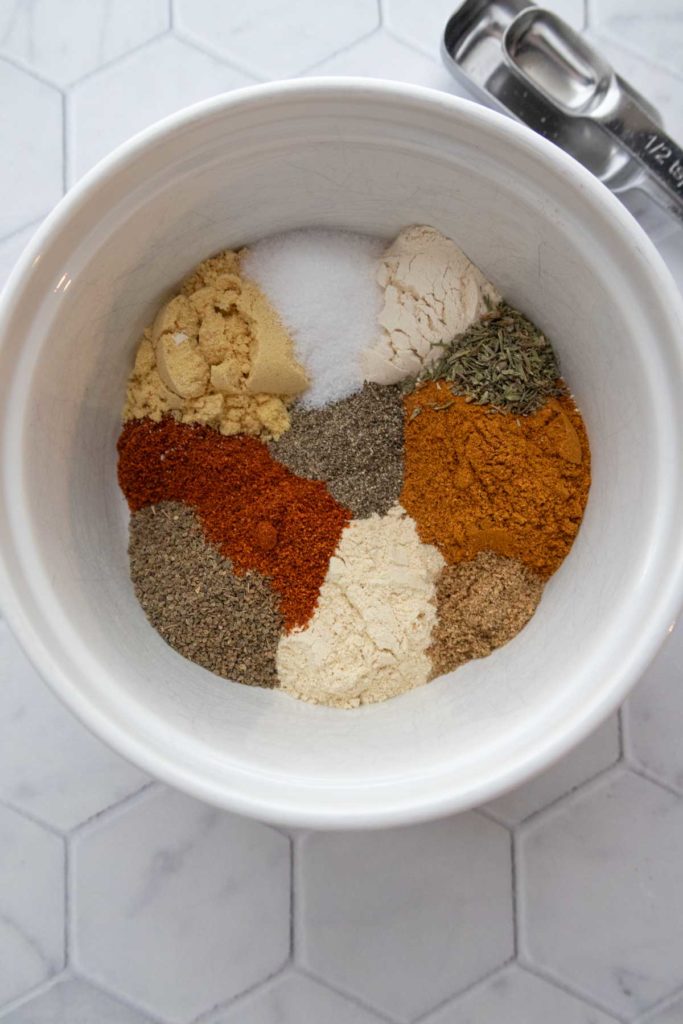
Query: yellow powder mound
[{"x": 217, "y": 354}]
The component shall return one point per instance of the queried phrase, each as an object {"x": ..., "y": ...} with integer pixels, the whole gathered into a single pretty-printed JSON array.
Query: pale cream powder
[
  {"x": 432, "y": 292},
  {"x": 368, "y": 638}
]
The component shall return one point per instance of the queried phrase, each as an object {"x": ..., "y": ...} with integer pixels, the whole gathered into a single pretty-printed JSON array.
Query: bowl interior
[{"x": 369, "y": 159}]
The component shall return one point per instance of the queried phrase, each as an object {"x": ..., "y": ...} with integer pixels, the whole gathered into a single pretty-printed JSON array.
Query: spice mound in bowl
[{"x": 350, "y": 467}]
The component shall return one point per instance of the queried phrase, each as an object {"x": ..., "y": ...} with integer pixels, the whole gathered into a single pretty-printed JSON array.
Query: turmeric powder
[{"x": 480, "y": 480}]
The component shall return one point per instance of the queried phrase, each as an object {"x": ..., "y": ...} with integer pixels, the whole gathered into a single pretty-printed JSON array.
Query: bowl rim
[{"x": 303, "y": 805}]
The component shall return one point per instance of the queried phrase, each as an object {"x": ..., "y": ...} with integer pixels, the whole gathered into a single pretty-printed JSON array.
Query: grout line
[
  {"x": 65, "y": 144},
  {"x": 633, "y": 764},
  {"x": 207, "y": 1015},
  {"x": 547, "y": 975},
  {"x": 586, "y": 15},
  {"x": 33, "y": 993},
  {"x": 656, "y": 780},
  {"x": 665, "y": 1003},
  {"x": 484, "y": 812},
  {"x": 472, "y": 987},
  {"x": 513, "y": 882},
  {"x": 620, "y": 728},
  {"x": 118, "y": 59},
  {"x": 20, "y": 65},
  {"x": 35, "y": 224},
  {"x": 187, "y": 39},
  {"x": 67, "y": 904},
  {"x": 33, "y": 818},
  {"x": 110, "y": 811},
  {"x": 338, "y": 53},
  {"x": 171, "y": 15},
  {"x": 350, "y": 997},
  {"x": 426, "y": 51},
  {"x": 108, "y": 990},
  {"x": 292, "y": 903},
  {"x": 70, "y": 914},
  {"x": 617, "y": 768},
  {"x": 297, "y": 928}
]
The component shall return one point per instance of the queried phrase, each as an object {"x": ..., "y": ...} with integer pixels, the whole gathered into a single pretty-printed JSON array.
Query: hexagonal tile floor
[{"x": 123, "y": 902}]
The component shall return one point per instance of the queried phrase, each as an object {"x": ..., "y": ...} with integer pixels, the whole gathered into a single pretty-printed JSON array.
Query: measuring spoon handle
[{"x": 651, "y": 147}]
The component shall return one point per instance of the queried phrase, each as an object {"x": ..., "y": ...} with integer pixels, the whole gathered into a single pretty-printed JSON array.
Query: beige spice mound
[
  {"x": 368, "y": 638},
  {"x": 481, "y": 605},
  {"x": 217, "y": 354}
]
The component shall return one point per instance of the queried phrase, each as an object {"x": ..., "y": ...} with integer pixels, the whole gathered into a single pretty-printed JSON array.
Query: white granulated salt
[
  {"x": 368, "y": 637},
  {"x": 323, "y": 285}
]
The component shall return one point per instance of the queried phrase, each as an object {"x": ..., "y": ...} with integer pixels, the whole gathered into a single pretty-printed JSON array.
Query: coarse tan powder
[
  {"x": 355, "y": 446},
  {"x": 481, "y": 605},
  {"x": 368, "y": 637},
  {"x": 229, "y": 624},
  {"x": 217, "y": 354}
]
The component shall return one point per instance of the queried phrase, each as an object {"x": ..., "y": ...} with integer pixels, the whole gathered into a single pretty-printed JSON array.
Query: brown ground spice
[
  {"x": 481, "y": 605},
  {"x": 229, "y": 624},
  {"x": 477, "y": 480},
  {"x": 238, "y": 491}
]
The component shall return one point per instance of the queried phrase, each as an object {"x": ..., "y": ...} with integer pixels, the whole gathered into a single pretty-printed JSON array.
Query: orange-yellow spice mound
[{"x": 480, "y": 480}]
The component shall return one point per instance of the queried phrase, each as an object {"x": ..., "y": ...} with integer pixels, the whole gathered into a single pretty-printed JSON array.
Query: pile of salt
[{"x": 323, "y": 284}]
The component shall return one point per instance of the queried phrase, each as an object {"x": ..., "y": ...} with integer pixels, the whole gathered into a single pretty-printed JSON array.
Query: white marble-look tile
[
  {"x": 597, "y": 752},
  {"x": 653, "y": 715},
  {"x": 600, "y": 900},
  {"x": 147, "y": 85},
  {"x": 11, "y": 249},
  {"x": 406, "y": 917},
  {"x": 31, "y": 146},
  {"x": 31, "y": 905},
  {"x": 670, "y": 246},
  {"x": 74, "y": 1002},
  {"x": 654, "y": 29},
  {"x": 276, "y": 38},
  {"x": 295, "y": 999},
  {"x": 383, "y": 56},
  {"x": 74, "y": 775},
  {"x": 422, "y": 24},
  {"x": 64, "y": 39},
  {"x": 514, "y": 996},
  {"x": 179, "y": 906}
]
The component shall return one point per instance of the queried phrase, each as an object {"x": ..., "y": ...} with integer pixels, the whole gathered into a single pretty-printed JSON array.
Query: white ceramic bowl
[{"x": 372, "y": 157}]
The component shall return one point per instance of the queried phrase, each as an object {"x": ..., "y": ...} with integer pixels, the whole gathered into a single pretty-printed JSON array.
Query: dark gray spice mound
[
  {"x": 502, "y": 360},
  {"x": 229, "y": 624},
  {"x": 355, "y": 446}
]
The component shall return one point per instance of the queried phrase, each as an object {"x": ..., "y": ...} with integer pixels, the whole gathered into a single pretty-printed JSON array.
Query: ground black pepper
[
  {"x": 354, "y": 445},
  {"x": 229, "y": 624}
]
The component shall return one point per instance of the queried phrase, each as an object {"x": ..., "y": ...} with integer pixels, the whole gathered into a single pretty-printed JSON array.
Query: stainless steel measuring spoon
[{"x": 574, "y": 79}]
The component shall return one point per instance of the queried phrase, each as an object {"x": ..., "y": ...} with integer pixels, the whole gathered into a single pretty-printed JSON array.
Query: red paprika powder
[{"x": 234, "y": 484}]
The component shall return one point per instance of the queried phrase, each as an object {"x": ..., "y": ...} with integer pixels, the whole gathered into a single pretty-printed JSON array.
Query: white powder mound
[
  {"x": 369, "y": 634},
  {"x": 432, "y": 292},
  {"x": 323, "y": 285}
]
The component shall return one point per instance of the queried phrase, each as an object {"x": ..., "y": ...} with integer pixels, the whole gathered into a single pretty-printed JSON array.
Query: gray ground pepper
[
  {"x": 229, "y": 624},
  {"x": 355, "y": 446}
]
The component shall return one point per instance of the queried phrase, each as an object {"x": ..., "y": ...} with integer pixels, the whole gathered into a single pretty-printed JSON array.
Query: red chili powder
[{"x": 233, "y": 484}]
